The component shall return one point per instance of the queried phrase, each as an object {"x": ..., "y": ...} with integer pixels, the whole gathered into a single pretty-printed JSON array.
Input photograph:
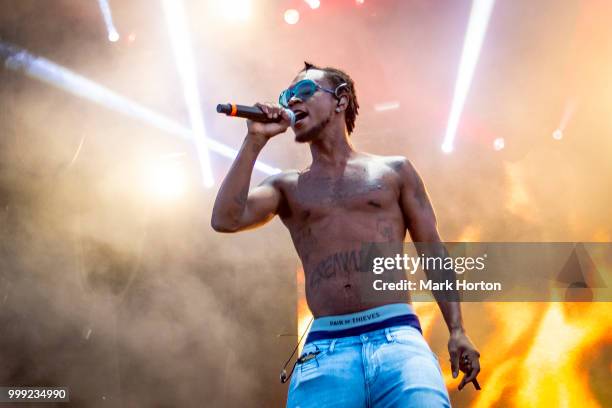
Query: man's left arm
[{"x": 421, "y": 222}]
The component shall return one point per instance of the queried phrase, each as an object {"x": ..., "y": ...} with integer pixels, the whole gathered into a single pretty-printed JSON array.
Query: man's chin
[
  {"x": 310, "y": 134},
  {"x": 303, "y": 137}
]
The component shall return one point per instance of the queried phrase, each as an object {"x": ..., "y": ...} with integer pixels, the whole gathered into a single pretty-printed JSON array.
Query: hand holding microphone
[{"x": 264, "y": 119}]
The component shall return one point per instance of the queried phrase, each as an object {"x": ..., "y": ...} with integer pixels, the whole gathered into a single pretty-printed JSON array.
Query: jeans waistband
[{"x": 355, "y": 324}]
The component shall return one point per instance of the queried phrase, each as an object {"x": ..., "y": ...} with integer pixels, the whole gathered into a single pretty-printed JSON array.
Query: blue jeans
[{"x": 390, "y": 367}]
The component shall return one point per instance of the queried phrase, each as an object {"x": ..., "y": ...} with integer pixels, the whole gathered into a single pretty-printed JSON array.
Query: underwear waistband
[{"x": 355, "y": 324}]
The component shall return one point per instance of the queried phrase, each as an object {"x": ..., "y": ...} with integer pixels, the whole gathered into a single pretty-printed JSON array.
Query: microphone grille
[{"x": 291, "y": 116}]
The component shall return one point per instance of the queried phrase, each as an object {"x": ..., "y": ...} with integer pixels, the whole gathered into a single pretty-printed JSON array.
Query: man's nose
[{"x": 294, "y": 99}]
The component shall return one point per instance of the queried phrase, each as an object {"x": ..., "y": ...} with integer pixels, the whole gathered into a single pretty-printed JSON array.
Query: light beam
[
  {"x": 113, "y": 35},
  {"x": 19, "y": 59},
  {"x": 181, "y": 45},
  {"x": 474, "y": 37}
]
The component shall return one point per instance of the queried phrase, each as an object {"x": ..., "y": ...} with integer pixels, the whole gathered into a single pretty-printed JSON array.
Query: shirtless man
[{"x": 361, "y": 351}]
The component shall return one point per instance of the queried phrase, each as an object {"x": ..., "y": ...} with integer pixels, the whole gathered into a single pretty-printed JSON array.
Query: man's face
[{"x": 319, "y": 108}]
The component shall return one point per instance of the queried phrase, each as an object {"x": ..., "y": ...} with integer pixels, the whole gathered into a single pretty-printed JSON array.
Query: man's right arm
[{"x": 236, "y": 208}]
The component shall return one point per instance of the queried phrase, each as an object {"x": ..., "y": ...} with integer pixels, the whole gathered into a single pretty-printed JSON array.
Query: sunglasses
[{"x": 304, "y": 90}]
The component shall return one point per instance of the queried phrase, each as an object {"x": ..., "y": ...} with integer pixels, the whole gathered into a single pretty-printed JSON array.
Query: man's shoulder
[
  {"x": 396, "y": 163},
  {"x": 281, "y": 178}
]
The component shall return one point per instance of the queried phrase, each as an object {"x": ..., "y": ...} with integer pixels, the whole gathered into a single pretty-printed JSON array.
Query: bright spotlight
[
  {"x": 314, "y": 4},
  {"x": 359, "y": 1},
  {"x": 557, "y": 134},
  {"x": 113, "y": 35},
  {"x": 181, "y": 45},
  {"x": 474, "y": 36},
  {"x": 447, "y": 148},
  {"x": 499, "y": 143},
  {"x": 292, "y": 16},
  {"x": 167, "y": 180}
]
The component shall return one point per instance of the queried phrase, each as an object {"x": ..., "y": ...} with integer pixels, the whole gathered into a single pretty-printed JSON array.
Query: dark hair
[{"x": 337, "y": 77}]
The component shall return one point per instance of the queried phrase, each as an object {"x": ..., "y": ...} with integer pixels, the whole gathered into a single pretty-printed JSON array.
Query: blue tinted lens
[
  {"x": 283, "y": 100},
  {"x": 285, "y": 96},
  {"x": 305, "y": 89},
  {"x": 302, "y": 90}
]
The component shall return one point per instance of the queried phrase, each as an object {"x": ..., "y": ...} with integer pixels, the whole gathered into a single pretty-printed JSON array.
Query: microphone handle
[{"x": 250, "y": 112}]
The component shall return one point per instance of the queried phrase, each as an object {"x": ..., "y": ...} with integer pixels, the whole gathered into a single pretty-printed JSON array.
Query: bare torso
[{"x": 330, "y": 214}]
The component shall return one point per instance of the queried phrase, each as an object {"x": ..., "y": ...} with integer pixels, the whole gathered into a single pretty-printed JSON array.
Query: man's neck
[{"x": 332, "y": 148}]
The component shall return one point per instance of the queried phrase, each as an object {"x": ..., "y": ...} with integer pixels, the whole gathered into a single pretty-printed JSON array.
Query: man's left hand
[{"x": 464, "y": 357}]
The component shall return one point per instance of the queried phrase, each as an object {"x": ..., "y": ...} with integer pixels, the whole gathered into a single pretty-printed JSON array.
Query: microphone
[{"x": 251, "y": 112}]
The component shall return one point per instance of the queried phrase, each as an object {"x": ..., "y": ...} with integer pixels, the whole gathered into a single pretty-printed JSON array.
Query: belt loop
[
  {"x": 388, "y": 334},
  {"x": 332, "y": 345}
]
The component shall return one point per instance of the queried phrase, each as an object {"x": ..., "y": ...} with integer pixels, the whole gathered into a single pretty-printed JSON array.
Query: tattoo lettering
[{"x": 345, "y": 261}]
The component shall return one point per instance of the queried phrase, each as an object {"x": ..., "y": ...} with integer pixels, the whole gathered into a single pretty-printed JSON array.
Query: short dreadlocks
[{"x": 336, "y": 77}]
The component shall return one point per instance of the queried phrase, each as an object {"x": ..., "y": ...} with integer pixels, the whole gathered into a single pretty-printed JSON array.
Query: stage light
[
  {"x": 314, "y": 4},
  {"x": 167, "y": 180},
  {"x": 359, "y": 2},
  {"x": 181, "y": 45},
  {"x": 113, "y": 35},
  {"x": 385, "y": 106},
  {"x": 447, "y": 148},
  {"x": 292, "y": 16},
  {"x": 19, "y": 59},
  {"x": 474, "y": 36},
  {"x": 499, "y": 143},
  {"x": 568, "y": 113}
]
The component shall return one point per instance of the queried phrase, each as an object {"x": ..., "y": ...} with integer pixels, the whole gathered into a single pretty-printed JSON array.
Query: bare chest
[{"x": 316, "y": 195}]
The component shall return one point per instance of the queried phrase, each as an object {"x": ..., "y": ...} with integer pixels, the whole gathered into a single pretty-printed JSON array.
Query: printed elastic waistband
[{"x": 354, "y": 324}]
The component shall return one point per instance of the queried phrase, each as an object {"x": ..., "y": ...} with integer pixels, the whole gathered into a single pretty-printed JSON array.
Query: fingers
[
  {"x": 279, "y": 118},
  {"x": 454, "y": 360},
  {"x": 472, "y": 368},
  {"x": 273, "y": 111}
]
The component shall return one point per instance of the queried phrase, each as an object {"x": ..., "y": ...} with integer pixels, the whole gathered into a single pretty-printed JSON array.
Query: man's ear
[
  {"x": 343, "y": 103},
  {"x": 342, "y": 97}
]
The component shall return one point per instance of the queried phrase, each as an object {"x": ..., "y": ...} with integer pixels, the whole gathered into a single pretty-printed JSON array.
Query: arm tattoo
[
  {"x": 241, "y": 198},
  {"x": 419, "y": 192}
]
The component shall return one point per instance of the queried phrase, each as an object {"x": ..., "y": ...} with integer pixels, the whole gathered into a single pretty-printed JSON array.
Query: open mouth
[{"x": 299, "y": 115}]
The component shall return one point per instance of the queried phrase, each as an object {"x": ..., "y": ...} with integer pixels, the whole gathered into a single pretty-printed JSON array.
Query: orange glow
[
  {"x": 471, "y": 233},
  {"x": 532, "y": 354},
  {"x": 303, "y": 312}
]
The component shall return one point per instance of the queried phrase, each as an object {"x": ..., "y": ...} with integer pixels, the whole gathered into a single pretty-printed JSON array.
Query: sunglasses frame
[{"x": 291, "y": 91}]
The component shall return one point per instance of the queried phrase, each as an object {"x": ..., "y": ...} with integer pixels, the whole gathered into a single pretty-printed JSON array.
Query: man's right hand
[{"x": 265, "y": 131}]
